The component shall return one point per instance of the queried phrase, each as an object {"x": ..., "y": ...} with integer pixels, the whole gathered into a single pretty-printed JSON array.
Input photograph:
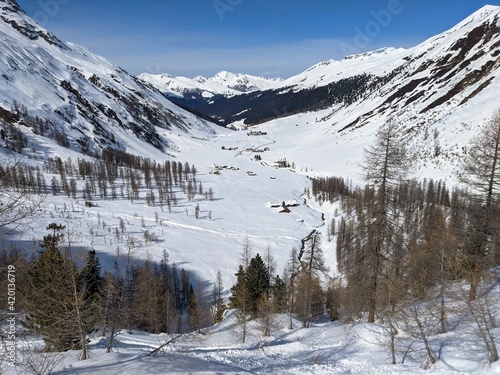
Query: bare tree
[
  {"x": 293, "y": 269},
  {"x": 267, "y": 318},
  {"x": 246, "y": 253},
  {"x": 386, "y": 164},
  {"x": 16, "y": 205},
  {"x": 481, "y": 171},
  {"x": 270, "y": 262}
]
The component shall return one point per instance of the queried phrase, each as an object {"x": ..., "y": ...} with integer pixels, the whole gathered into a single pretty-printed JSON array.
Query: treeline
[
  {"x": 65, "y": 296},
  {"x": 261, "y": 106},
  {"x": 117, "y": 175}
]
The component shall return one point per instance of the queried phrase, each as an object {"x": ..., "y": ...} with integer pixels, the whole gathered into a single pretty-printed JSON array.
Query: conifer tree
[
  {"x": 219, "y": 306},
  {"x": 279, "y": 294},
  {"x": 48, "y": 289},
  {"x": 194, "y": 313},
  {"x": 240, "y": 300},
  {"x": 60, "y": 307},
  {"x": 482, "y": 173},
  {"x": 256, "y": 281},
  {"x": 386, "y": 164},
  {"x": 90, "y": 277},
  {"x": 292, "y": 270}
]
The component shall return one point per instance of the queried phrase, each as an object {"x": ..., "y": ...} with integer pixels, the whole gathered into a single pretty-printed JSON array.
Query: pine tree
[
  {"x": 59, "y": 307},
  {"x": 256, "y": 281}
]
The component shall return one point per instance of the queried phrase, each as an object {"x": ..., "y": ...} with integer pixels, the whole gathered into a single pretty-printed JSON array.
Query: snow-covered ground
[
  {"x": 325, "y": 348},
  {"x": 212, "y": 243},
  {"x": 244, "y": 193}
]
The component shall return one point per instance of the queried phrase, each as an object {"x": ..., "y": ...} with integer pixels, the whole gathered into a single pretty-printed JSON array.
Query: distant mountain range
[
  {"x": 441, "y": 74},
  {"x": 223, "y": 83},
  {"x": 53, "y": 89}
]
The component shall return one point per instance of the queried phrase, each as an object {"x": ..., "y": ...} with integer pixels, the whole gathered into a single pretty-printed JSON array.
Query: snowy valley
[{"x": 179, "y": 186}]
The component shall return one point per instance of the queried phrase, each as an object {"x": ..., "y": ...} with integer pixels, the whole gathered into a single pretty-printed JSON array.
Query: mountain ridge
[
  {"x": 387, "y": 68},
  {"x": 79, "y": 94}
]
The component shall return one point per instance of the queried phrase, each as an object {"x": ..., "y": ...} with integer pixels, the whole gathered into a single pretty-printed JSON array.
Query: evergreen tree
[
  {"x": 240, "y": 300},
  {"x": 90, "y": 277},
  {"x": 256, "y": 281},
  {"x": 48, "y": 289},
  {"x": 58, "y": 305},
  {"x": 238, "y": 297},
  {"x": 279, "y": 294}
]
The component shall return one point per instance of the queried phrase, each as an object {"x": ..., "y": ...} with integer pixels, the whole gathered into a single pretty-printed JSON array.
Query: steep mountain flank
[{"x": 65, "y": 92}]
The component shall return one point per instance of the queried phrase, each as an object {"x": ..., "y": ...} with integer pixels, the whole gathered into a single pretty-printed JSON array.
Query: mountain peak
[
  {"x": 224, "y": 75},
  {"x": 481, "y": 15},
  {"x": 489, "y": 8},
  {"x": 75, "y": 92},
  {"x": 10, "y": 2},
  {"x": 10, "y": 6}
]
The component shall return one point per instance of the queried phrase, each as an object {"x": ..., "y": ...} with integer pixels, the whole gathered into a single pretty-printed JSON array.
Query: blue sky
[{"x": 274, "y": 38}]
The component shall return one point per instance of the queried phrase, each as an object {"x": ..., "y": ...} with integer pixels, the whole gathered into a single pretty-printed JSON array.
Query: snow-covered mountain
[
  {"x": 68, "y": 102},
  {"x": 65, "y": 92},
  {"x": 438, "y": 76},
  {"x": 223, "y": 83},
  {"x": 64, "y": 97}
]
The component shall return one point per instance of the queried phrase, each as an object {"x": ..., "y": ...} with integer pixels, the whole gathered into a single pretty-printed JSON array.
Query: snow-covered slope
[
  {"x": 440, "y": 92},
  {"x": 223, "y": 83},
  {"x": 435, "y": 79},
  {"x": 326, "y": 348},
  {"x": 446, "y": 88},
  {"x": 80, "y": 94}
]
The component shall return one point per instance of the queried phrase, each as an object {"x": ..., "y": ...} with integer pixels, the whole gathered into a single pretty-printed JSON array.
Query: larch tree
[
  {"x": 386, "y": 164},
  {"x": 481, "y": 172},
  {"x": 292, "y": 270},
  {"x": 246, "y": 252},
  {"x": 310, "y": 296},
  {"x": 16, "y": 204},
  {"x": 218, "y": 304}
]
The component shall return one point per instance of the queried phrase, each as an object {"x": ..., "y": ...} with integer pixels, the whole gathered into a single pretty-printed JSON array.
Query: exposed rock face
[{"x": 63, "y": 91}]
